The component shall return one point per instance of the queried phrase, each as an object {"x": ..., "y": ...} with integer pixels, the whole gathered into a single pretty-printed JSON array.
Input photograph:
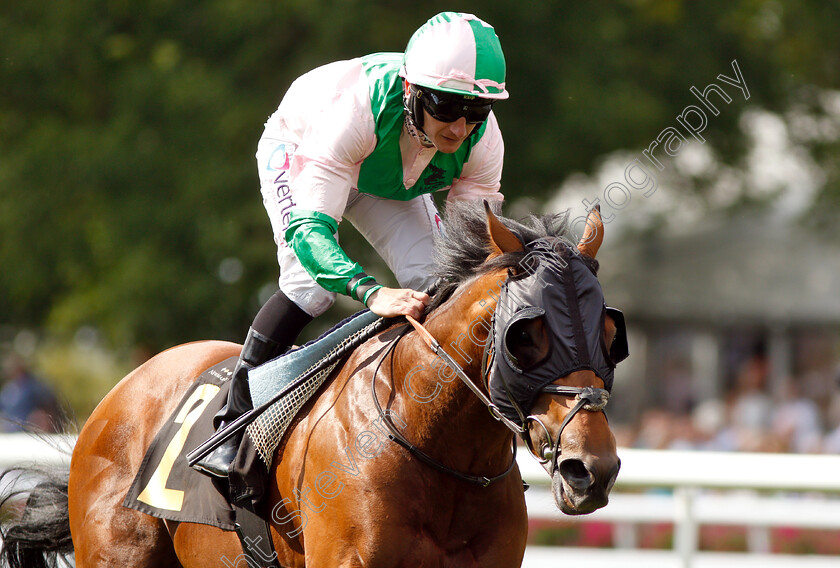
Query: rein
[
  {"x": 592, "y": 399},
  {"x": 452, "y": 364},
  {"x": 395, "y": 436}
]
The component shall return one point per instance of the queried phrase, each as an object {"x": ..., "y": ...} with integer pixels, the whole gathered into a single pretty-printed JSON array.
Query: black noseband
[{"x": 588, "y": 398}]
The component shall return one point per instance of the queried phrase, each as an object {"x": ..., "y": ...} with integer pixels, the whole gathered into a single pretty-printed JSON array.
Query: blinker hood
[{"x": 567, "y": 294}]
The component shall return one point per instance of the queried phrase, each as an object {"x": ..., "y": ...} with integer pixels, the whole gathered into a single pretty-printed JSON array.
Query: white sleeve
[
  {"x": 481, "y": 176},
  {"x": 335, "y": 142}
]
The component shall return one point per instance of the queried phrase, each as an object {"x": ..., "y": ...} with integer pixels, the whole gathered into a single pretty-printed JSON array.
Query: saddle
[
  {"x": 315, "y": 360},
  {"x": 167, "y": 488}
]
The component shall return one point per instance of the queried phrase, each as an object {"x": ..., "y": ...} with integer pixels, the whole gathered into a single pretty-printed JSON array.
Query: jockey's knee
[
  {"x": 416, "y": 278},
  {"x": 314, "y": 301}
]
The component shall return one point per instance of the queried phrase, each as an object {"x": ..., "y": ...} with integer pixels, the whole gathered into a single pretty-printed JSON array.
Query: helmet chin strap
[
  {"x": 417, "y": 133},
  {"x": 414, "y": 117}
]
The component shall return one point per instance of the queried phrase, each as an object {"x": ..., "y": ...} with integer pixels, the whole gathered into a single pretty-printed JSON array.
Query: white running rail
[{"x": 689, "y": 489}]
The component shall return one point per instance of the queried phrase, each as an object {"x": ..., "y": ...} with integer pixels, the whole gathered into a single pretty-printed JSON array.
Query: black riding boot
[
  {"x": 257, "y": 350},
  {"x": 285, "y": 320}
]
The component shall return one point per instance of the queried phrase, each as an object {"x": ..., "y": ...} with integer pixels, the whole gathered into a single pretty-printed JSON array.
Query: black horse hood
[{"x": 564, "y": 290}]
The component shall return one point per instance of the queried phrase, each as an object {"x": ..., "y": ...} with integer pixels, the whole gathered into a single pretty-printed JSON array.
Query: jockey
[{"x": 368, "y": 140}]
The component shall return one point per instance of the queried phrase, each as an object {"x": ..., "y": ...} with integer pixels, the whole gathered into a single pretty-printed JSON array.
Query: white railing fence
[
  {"x": 688, "y": 489},
  {"x": 49, "y": 449}
]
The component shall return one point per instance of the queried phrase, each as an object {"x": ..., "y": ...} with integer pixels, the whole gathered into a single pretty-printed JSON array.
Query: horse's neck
[{"x": 444, "y": 411}]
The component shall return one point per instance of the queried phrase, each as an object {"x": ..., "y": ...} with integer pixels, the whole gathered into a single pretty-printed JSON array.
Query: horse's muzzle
[{"x": 580, "y": 488}]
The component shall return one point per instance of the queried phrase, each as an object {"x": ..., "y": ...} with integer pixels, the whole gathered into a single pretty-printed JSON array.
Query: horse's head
[{"x": 554, "y": 347}]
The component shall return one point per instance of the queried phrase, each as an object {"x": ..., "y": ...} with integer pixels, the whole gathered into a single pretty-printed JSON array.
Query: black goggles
[{"x": 447, "y": 107}]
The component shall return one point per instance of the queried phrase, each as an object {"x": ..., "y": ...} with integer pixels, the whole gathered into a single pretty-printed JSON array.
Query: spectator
[
  {"x": 831, "y": 443},
  {"x": 677, "y": 386},
  {"x": 654, "y": 430},
  {"x": 752, "y": 408},
  {"x": 25, "y": 400},
  {"x": 710, "y": 419},
  {"x": 796, "y": 421}
]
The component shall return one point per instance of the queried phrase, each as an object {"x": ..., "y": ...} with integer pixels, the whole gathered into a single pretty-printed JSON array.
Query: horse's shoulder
[{"x": 365, "y": 357}]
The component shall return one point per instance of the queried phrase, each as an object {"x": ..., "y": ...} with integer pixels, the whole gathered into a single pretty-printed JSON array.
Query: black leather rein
[{"x": 396, "y": 436}]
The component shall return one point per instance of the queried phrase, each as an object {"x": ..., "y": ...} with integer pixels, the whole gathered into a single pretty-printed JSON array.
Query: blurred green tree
[{"x": 129, "y": 196}]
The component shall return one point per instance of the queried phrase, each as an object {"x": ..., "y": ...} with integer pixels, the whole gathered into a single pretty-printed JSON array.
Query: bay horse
[{"x": 382, "y": 507}]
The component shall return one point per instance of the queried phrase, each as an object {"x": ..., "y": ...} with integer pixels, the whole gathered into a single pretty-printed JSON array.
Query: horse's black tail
[{"x": 35, "y": 534}]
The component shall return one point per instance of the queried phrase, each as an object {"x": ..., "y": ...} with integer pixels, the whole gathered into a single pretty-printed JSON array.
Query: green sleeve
[{"x": 312, "y": 237}]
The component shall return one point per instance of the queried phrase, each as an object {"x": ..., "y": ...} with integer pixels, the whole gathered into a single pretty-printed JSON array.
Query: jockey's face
[{"x": 446, "y": 136}]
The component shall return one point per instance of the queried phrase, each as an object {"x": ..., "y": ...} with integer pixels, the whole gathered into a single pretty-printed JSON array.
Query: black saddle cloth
[{"x": 165, "y": 486}]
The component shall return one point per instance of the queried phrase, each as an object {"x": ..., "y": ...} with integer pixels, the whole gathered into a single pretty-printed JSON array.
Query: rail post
[{"x": 686, "y": 531}]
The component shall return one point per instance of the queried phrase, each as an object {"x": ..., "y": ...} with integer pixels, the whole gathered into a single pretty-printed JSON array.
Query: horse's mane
[{"x": 461, "y": 252}]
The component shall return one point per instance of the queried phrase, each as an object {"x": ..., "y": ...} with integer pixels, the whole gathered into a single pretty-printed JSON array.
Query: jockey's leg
[
  {"x": 274, "y": 330},
  {"x": 286, "y": 313}
]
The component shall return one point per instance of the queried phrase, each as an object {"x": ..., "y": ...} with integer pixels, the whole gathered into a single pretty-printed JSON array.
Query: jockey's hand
[{"x": 392, "y": 302}]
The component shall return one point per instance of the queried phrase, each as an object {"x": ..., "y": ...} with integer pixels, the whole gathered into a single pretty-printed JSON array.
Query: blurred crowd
[
  {"x": 801, "y": 416},
  {"x": 27, "y": 402}
]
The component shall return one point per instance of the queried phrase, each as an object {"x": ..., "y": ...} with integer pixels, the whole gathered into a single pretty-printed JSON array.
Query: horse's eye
[
  {"x": 523, "y": 338},
  {"x": 526, "y": 343}
]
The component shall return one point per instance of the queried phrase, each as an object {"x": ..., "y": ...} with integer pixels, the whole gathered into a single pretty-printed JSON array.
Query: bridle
[{"x": 592, "y": 399}]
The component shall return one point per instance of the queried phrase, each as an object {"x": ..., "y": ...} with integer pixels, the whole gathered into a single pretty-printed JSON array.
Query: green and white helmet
[{"x": 456, "y": 53}]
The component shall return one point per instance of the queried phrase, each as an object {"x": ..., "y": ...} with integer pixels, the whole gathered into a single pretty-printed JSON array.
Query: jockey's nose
[{"x": 459, "y": 127}]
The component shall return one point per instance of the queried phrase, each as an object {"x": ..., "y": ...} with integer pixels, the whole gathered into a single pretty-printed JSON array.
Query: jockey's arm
[
  {"x": 312, "y": 236},
  {"x": 313, "y": 223}
]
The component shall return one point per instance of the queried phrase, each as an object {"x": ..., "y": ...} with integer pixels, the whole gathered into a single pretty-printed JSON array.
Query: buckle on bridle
[
  {"x": 596, "y": 398},
  {"x": 592, "y": 399}
]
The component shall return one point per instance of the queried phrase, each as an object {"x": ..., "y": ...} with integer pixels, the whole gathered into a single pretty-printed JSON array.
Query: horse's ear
[
  {"x": 502, "y": 239},
  {"x": 593, "y": 234}
]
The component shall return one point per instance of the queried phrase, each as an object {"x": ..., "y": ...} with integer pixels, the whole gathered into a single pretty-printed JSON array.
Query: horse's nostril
[{"x": 575, "y": 473}]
